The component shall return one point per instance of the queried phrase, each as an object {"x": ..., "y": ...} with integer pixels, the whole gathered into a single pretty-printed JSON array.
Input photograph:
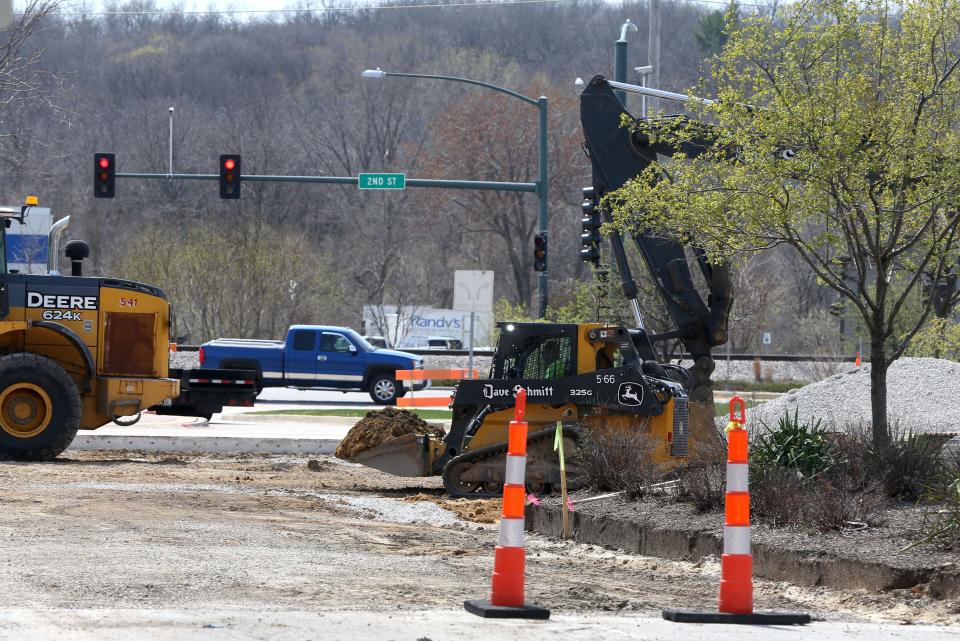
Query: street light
[
  {"x": 644, "y": 74},
  {"x": 542, "y": 174}
]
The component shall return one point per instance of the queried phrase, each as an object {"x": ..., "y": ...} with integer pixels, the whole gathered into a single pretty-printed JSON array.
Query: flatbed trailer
[{"x": 205, "y": 392}]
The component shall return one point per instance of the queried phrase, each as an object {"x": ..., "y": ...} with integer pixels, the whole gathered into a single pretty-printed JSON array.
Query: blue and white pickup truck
[{"x": 315, "y": 357}]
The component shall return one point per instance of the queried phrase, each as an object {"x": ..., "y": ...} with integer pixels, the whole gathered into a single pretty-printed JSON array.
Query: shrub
[
  {"x": 778, "y": 495},
  {"x": 826, "y": 502},
  {"x": 799, "y": 476},
  {"x": 617, "y": 462},
  {"x": 792, "y": 445},
  {"x": 940, "y": 523},
  {"x": 703, "y": 478},
  {"x": 905, "y": 468}
]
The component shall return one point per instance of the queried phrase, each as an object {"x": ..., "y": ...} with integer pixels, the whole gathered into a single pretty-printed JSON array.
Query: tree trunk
[{"x": 878, "y": 392}]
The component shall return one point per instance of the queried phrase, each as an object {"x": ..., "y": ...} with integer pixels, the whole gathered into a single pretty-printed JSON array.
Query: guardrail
[{"x": 410, "y": 375}]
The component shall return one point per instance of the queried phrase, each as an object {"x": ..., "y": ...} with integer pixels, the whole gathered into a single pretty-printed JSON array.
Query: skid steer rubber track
[{"x": 538, "y": 442}]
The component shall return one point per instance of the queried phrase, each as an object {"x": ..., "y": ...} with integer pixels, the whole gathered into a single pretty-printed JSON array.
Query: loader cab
[
  {"x": 535, "y": 351},
  {"x": 7, "y": 215}
]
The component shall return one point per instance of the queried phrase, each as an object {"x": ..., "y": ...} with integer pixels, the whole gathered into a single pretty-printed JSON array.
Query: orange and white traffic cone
[
  {"x": 857, "y": 362},
  {"x": 509, "y": 558},
  {"x": 736, "y": 564}
]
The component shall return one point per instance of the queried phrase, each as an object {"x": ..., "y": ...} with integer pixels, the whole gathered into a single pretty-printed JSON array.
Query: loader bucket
[{"x": 407, "y": 455}]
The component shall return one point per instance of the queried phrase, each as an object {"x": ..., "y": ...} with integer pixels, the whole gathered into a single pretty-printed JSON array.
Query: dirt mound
[
  {"x": 476, "y": 510},
  {"x": 380, "y": 426}
]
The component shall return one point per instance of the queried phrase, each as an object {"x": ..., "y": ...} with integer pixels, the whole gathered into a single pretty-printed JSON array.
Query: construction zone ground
[{"x": 260, "y": 540}]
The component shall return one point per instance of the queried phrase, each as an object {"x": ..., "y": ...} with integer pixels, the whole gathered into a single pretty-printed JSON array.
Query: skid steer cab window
[{"x": 537, "y": 352}]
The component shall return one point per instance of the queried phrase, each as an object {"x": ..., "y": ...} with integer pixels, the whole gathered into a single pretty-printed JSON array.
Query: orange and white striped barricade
[
  {"x": 736, "y": 564},
  {"x": 509, "y": 558},
  {"x": 410, "y": 375}
]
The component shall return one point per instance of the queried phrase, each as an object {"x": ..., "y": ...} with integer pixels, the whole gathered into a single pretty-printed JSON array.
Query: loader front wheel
[{"x": 39, "y": 408}]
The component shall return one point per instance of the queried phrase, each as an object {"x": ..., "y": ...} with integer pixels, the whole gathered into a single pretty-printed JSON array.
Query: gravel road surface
[{"x": 254, "y": 537}]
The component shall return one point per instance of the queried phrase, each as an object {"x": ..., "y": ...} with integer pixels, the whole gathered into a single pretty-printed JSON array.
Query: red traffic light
[
  {"x": 231, "y": 174},
  {"x": 104, "y": 176}
]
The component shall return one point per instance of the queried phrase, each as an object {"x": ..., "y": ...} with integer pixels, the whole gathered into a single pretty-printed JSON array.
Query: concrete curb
[
  {"x": 253, "y": 417},
  {"x": 769, "y": 562},
  {"x": 217, "y": 444}
]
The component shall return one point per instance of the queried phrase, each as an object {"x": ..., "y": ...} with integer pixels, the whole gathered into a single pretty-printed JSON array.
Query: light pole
[
  {"x": 620, "y": 59},
  {"x": 644, "y": 73},
  {"x": 542, "y": 174}
]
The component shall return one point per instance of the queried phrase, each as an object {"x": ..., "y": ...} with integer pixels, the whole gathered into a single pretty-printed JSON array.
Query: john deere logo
[{"x": 630, "y": 394}]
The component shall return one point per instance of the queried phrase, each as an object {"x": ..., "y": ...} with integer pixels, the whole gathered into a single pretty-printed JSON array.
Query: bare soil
[
  {"x": 474, "y": 510},
  {"x": 380, "y": 426},
  {"x": 268, "y": 533}
]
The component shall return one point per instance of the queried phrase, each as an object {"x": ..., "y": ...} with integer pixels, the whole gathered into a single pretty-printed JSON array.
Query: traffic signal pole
[{"x": 347, "y": 180}]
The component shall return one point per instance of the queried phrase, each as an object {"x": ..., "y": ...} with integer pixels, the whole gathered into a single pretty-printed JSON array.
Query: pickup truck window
[
  {"x": 304, "y": 341},
  {"x": 334, "y": 343}
]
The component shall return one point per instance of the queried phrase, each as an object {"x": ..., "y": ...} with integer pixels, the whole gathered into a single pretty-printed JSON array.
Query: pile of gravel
[{"x": 923, "y": 395}]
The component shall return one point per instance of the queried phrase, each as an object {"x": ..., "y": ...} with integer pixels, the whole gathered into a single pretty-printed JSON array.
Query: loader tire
[{"x": 39, "y": 408}]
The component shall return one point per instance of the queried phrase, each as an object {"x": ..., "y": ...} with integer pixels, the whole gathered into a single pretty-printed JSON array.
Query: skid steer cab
[
  {"x": 75, "y": 352},
  {"x": 588, "y": 377}
]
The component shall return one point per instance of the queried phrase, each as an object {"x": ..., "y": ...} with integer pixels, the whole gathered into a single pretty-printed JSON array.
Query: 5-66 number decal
[
  {"x": 57, "y": 314},
  {"x": 606, "y": 378}
]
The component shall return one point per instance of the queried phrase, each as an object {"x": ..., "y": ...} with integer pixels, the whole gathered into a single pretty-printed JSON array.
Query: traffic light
[
  {"x": 590, "y": 228},
  {"x": 104, "y": 175},
  {"x": 230, "y": 176},
  {"x": 540, "y": 253}
]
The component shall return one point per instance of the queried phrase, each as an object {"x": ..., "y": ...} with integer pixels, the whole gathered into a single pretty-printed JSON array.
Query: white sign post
[{"x": 472, "y": 292}]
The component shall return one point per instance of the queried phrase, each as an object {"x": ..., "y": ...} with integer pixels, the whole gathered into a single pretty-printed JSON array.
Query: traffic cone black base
[
  {"x": 755, "y": 618},
  {"x": 483, "y": 608}
]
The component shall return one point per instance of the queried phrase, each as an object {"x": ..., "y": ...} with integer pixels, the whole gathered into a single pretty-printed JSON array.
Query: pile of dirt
[
  {"x": 380, "y": 426},
  {"x": 476, "y": 510}
]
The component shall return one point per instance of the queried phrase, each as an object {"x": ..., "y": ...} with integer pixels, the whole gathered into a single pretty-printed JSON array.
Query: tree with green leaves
[{"x": 836, "y": 132}]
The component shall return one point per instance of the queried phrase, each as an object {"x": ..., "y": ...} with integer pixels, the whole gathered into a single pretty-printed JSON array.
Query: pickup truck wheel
[
  {"x": 39, "y": 408},
  {"x": 383, "y": 389}
]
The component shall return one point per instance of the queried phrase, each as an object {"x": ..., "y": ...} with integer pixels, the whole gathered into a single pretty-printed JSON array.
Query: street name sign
[{"x": 382, "y": 181}]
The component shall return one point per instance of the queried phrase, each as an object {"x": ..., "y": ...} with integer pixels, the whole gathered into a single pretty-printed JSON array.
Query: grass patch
[
  {"x": 723, "y": 409},
  {"x": 350, "y": 413},
  {"x": 752, "y": 386}
]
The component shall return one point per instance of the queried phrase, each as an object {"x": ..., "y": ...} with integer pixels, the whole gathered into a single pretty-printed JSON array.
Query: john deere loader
[{"x": 75, "y": 352}]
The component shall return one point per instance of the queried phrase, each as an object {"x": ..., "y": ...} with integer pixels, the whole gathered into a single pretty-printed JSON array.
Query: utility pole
[{"x": 653, "y": 45}]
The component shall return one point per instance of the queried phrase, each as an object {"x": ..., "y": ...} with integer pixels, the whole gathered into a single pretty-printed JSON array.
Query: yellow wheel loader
[{"x": 75, "y": 352}]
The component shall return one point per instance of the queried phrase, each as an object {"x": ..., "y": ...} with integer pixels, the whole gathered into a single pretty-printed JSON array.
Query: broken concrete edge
[{"x": 800, "y": 567}]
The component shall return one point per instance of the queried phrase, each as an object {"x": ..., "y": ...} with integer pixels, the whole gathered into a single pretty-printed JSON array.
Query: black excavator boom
[{"x": 618, "y": 155}]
